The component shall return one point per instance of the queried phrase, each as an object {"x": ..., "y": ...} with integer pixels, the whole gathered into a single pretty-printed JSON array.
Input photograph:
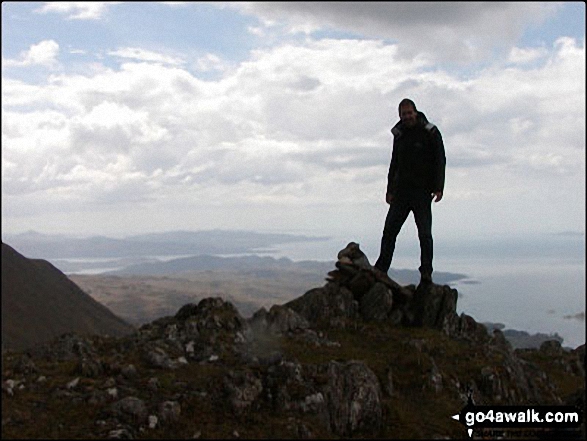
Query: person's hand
[
  {"x": 389, "y": 198},
  {"x": 437, "y": 195}
]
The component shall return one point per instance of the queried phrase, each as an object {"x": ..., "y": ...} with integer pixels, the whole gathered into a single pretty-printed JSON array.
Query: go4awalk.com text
[{"x": 478, "y": 419}]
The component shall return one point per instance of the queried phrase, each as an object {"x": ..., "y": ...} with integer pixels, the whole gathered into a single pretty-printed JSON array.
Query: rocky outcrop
[
  {"x": 400, "y": 354},
  {"x": 353, "y": 399},
  {"x": 357, "y": 291}
]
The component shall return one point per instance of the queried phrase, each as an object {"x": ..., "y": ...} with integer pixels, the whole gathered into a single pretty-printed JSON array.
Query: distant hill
[
  {"x": 523, "y": 339},
  {"x": 39, "y": 303},
  {"x": 259, "y": 266},
  {"x": 211, "y": 263},
  {"x": 157, "y": 244}
]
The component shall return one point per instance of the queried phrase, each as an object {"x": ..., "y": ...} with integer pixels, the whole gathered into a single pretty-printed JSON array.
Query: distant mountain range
[
  {"x": 205, "y": 262},
  {"x": 40, "y": 303},
  {"x": 137, "y": 255},
  {"x": 170, "y": 243},
  {"x": 260, "y": 266}
]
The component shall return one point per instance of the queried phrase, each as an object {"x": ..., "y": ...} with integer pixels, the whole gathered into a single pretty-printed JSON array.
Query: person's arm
[
  {"x": 440, "y": 165},
  {"x": 392, "y": 175}
]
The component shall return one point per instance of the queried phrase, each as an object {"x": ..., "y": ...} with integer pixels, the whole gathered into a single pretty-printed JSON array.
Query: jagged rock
[
  {"x": 499, "y": 341},
  {"x": 283, "y": 319},
  {"x": 213, "y": 313},
  {"x": 317, "y": 339},
  {"x": 465, "y": 327},
  {"x": 348, "y": 403},
  {"x": 131, "y": 410},
  {"x": 202, "y": 332},
  {"x": 353, "y": 398},
  {"x": 242, "y": 389},
  {"x": 491, "y": 384},
  {"x": 328, "y": 304},
  {"x": 515, "y": 380},
  {"x": 68, "y": 346},
  {"x": 433, "y": 306},
  {"x": 551, "y": 347},
  {"x": 158, "y": 358},
  {"x": 259, "y": 322},
  {"x": 434, "y": 378},
  {"x": 336, "y": 276},
  {"x": 376, "y": 304},
  {"x": 578, "y": 364},
  {"x": 313, "y": 403},
  {"x": 361, "y": 283},
  {"x": 187, "y": 311},
  {"x": 284, "y": 380}
]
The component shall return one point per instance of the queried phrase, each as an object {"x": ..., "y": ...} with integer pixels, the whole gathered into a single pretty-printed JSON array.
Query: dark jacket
[{"x": 417, "y": 159}]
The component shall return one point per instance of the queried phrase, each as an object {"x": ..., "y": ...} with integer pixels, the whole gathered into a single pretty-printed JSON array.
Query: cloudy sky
[{"x": 124, "y": 118}]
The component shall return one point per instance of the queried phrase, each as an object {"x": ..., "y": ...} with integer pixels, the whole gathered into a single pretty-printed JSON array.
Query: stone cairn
[{"x": 356, "y": 290}]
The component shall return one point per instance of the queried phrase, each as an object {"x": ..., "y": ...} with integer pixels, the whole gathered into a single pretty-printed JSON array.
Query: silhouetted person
[{"x": 416, "y": 176}]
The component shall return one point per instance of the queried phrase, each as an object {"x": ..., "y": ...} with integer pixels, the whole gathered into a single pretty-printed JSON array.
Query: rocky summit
[{"x": 359, "y": 357}]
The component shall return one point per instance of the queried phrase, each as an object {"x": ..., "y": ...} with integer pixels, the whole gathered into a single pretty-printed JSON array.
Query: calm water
[{"x": 532, "y": 295}]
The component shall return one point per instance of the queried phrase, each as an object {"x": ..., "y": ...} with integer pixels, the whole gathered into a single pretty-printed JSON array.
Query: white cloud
[
  {"x": 293, "y": 127},
  {"x": 210, "y": 62},
  {"x": 43, "y": 53},
  {"x": 526, "y": 55},
  {"x": 87, "y": 10},
  {"x": 146, "y": 55},
  {"x": 257, "y": 31}
]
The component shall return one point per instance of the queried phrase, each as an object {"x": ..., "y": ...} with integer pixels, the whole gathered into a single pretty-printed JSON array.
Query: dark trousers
[{"x": 420, "y": 203}]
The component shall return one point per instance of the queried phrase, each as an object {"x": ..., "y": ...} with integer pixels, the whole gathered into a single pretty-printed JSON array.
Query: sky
[{"x": 123, "y": 118}]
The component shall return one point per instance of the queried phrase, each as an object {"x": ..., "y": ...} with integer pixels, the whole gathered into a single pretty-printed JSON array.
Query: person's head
[{"x": 408, "y": 112}]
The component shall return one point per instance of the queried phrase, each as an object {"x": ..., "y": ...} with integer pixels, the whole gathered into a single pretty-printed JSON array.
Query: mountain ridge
[{"x": 40, "y": 303}]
